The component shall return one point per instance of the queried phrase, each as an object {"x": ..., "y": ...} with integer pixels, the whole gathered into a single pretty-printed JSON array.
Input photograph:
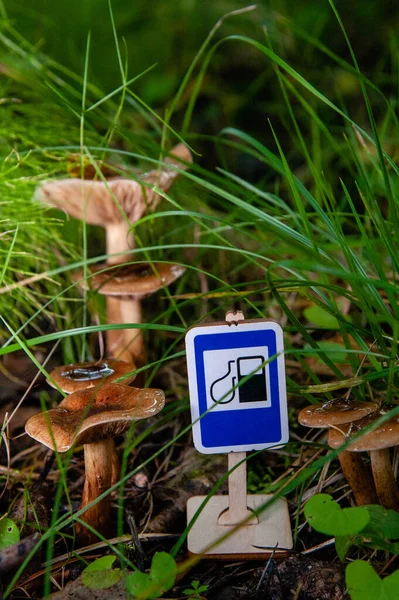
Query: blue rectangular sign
[{"x": 237, "y": 386}]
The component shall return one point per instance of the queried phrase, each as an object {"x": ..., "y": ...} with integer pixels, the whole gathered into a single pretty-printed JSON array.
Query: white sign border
[{"x": 252, "y": 325}]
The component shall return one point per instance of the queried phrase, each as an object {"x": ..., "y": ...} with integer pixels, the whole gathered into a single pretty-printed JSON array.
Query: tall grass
[{"x": 298, "y": 210}]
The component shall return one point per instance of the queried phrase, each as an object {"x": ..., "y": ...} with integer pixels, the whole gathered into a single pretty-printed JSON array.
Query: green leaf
[
  {"x": 139, "y": 585},
  {"x": 364, "y": 583},
  {"x": 335, "y": 352},
  {"x": 101, "y": 564},
  {"x": 381, "y": 530},
  {"x": 161, "y": 578},
  {"x": 342, "y": 545},
  {"x": 9, "y": 533},
  {"x": 100, "y": 575},
  {"x": 163, "y": 569},
  {"x": 196, "y": 589},
  {"x": 326, "y": 516},
  {"x": 383, "y": 520},
  {"x": 320, "y": 317}
]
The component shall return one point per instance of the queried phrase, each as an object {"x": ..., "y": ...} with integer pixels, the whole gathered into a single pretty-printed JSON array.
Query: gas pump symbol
[{"x": 249, "y": 381}]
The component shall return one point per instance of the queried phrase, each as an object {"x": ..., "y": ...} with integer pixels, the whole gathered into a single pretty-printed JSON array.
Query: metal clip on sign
[{"x": 238, "y": 403}]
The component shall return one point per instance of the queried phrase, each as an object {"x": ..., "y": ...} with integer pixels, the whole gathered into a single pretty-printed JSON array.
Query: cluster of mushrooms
[
  {"x": 345, "y": 421},
  {"x": 100, "y": 405}
]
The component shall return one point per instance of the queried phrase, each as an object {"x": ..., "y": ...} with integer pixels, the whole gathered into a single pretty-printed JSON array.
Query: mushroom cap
[
  {"x": 74, "y": 167},
  {"x": 179, "y": 153},
  {"x": 94, "y": 415},
  {"x": 383, "y": 436},
  {"x": 164, "y": 177},
  {"x": 80, "y": 376},
  {"x": 94, "y": 201},
  {"x": 132, "y": 280},
  {"x": 335, "y": 412}
]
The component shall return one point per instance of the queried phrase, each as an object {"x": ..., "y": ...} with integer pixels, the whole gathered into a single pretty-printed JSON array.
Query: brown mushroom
[
  {"x": 83, "y": 376},
  {"x": 94, "y": 418},
  {"x": 335, "y": 413},
  {"x": 377, "y": 443},
  {"x": 80, "y": 376},
  {"x": 129, "y": 284},
  {"x": 115, "y": 205},
  {"x": 137, "y": 281}
]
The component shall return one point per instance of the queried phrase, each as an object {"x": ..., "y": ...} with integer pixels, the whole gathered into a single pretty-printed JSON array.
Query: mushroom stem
[
  {"x": 115, "y": 466},
  {"x": 118, "y": 239},
  {"x": 125, "y": 344},
  {"x": 384, "y": 478},
  {"x": 98, "y": 465},
  {"x": 359, "y": 478},
  {"x": 133, "y": 338},
  {"x": 116, "y": 346}
]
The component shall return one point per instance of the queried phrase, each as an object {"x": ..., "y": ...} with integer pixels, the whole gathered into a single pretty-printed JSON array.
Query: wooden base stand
[
  {"x": 219, "y": 532},
  {"x": 272, "y": 533}
]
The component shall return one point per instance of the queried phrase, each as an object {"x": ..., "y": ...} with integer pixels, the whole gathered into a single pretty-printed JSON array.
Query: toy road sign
[{"x": 237, "y": 386}]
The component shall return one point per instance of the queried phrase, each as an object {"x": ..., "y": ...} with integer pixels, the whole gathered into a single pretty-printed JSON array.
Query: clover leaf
[
  {"x": 9, "y": 533},
  {"x": 100, "y": 575},
  {"x": 321, "y": 318},
  {"x": 325, "y": 515},
  {"x": 364, "y": 583},
  {"x": 161, "y": 578}
]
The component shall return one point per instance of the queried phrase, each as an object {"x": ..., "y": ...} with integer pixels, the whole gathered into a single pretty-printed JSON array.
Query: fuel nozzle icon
[
  {"x": 245, "y": 376},
  {"x": 220, "y": 388}
]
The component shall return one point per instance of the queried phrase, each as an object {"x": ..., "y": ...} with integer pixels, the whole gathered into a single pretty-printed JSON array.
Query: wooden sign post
[{"x": 238, "y": 403}]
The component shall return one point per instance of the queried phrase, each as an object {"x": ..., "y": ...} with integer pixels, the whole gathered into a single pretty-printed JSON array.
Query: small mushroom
[
  {"x": 115, "y": 205},
  {"x": 128, "y": 284},
  {"x": 336, "y": 413},
  {"x": 80, "y": 376},
  {"x": 94, "y": 418},
  {"x": 377, "y": 443},
  {"x": 136, "y": 281}
]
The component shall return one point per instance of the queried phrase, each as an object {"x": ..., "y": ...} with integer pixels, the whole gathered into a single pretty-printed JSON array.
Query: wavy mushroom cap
[
  {"x": 178, "y": 155},
  {"x": 80, "y": 376},
  {"x": 163, "y": 177},
  {"x": 335, "y": 412},
  {"x": 383, "y": 436},
  {"x": 132, "y": 280},
  {"x": 94, "y": 201},
  {"x": 93, "y": 415},
  {"x": 74, "y": 167},
  {"x": 104, "y": 204}
]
